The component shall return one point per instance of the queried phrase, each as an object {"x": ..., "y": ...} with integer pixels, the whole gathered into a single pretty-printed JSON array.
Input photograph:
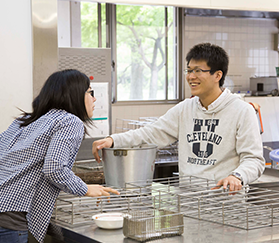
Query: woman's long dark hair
[{"x": 63, "y": 90}]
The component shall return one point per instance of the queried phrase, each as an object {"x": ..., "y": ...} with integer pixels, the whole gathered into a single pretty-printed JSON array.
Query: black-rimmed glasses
[
  {"x": 91, "y": 92},
  {"x": 196, "y": 72}
]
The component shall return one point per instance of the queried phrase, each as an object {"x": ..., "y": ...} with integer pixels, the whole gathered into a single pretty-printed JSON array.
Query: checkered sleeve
[{"x": 61, "y": 154}]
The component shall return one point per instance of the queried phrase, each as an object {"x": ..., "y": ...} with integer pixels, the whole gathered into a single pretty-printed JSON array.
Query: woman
[{"x": 37, "y": 153}]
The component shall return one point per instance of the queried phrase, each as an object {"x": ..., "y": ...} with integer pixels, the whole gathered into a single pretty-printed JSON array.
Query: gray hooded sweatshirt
[{"x": 213, "y": 143}]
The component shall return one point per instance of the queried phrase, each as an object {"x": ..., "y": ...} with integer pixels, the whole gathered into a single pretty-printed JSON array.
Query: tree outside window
[{"x": 141, "y": 54}]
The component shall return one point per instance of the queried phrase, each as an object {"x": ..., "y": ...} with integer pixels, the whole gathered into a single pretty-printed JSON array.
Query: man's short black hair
[{"x": 215, "y": 57}]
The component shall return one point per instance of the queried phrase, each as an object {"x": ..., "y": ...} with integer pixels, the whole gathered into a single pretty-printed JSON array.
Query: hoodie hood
[{"x": 219, "y": 104}]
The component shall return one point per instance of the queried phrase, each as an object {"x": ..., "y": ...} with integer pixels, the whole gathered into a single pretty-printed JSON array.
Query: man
[{"x": 218, "y": 133}]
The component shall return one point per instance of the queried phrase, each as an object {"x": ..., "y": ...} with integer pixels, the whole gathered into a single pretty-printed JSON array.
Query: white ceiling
[{"x": 250, "y": 5}]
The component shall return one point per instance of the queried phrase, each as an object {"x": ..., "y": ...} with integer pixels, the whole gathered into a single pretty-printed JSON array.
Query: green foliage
[
  {"x": 139, "y": 27},
  {"x": 141, "y": 15},
  {"x": 89, "y": 24}
]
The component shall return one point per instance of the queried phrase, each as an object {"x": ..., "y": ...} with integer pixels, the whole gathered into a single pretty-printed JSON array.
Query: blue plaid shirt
[{"x": 36, "y": 163}]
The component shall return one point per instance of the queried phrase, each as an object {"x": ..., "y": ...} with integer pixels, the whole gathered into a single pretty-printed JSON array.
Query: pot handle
[{"x": 120, "y": 152}]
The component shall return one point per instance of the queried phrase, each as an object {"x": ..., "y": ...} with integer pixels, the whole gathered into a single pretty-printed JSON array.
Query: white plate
[{"x": 109, "y": 220}]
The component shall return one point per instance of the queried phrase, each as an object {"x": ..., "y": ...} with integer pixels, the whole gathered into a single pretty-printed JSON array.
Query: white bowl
[{"x": 109, "y": 220}]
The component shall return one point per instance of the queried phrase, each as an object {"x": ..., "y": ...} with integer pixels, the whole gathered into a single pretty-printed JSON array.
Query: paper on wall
[
  {"x": 101, "y": 112},
  {"x": 101, "y": 105}
]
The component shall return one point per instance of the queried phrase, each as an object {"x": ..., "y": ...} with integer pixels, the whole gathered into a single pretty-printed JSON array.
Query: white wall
[
  {"x": 63, "y": 25},
  {"x": 15, "y": 59},
  {"x": 248, "y": 42}
]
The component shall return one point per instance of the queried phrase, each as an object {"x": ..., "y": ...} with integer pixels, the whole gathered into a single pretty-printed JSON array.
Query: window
[{"x": 146, "y": 60}]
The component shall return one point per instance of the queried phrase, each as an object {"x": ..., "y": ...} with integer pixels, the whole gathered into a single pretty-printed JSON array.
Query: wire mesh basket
[
  {"x": 144, "y": 225},
  {"x": 164, "y": 155},
  {"x": 249, "y": 208},
  {"x": 71, "y": 210},
  {"x": 124, "y": 125},
  {"x": 168, "y": 153}
]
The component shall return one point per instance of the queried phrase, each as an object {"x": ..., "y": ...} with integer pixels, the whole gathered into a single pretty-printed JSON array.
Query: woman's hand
[
  {"x": 100, "y": 144},
  {"x": 98, "y": 191}
]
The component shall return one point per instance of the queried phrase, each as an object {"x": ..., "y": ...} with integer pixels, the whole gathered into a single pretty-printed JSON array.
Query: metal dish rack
[
  {"x": 144, "y": 217},
  {"x": 164, "y": 155},
  {"x": 73, "y": 210},
  {"x": 152, "y": 224},
  {"x": 124, "y": 125},
  {"x": 249, "y": 208}
]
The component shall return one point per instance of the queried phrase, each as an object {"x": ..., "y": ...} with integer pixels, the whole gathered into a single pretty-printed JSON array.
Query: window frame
[{"x": 111, "y": 43}]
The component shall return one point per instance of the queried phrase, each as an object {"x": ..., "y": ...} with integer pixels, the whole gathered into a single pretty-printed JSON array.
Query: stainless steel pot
[{"x": 122, "y": 165}]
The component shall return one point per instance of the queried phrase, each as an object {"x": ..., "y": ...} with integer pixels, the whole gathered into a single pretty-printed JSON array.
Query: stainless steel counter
[{"x": 195, "y": 231}]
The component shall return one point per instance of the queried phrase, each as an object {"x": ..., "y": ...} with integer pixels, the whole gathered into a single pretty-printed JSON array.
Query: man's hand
[
  {"x": 100, "y": 144},
  {"x": 233, "y": 182},
  {"x": 98, "y": 191}
]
